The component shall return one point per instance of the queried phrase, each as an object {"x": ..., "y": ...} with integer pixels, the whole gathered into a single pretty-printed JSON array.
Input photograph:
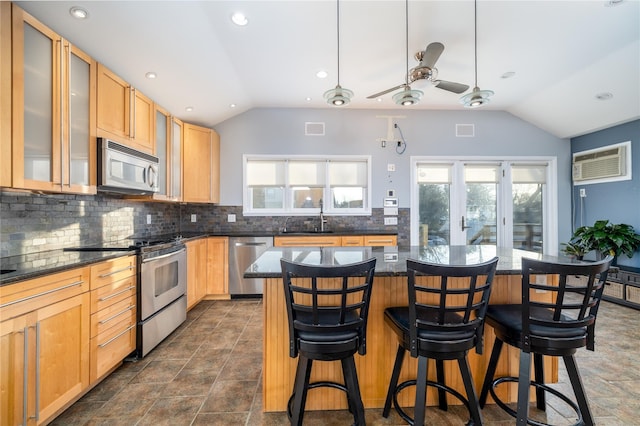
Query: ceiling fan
[{"x": 426, "y": 70}]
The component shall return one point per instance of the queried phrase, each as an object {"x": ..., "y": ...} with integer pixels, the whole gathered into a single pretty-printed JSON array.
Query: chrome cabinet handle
[
  {"x": 37, "y": 415},
  {"x": 111, "y": 296},
  {"x": 25, "y": 376},
  {"x": 42, "y": 294},
  {"x": 104, "y": 321},
  {"x": 129, "y": 267},
  {"x": 115, "y": 337}
]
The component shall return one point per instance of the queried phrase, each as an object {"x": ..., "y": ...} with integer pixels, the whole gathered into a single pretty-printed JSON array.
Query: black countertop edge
[{"x": 28, "y": 266}]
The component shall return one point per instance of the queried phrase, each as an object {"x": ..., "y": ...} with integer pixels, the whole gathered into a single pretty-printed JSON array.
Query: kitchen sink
[{"x": 305, "y": 232}]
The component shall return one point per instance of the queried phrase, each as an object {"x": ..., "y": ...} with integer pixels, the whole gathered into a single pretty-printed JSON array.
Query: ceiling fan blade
[
  {"x": 384, "y": 92},
  {"x": 451, "y": 86},
  {"x": 431, "y": 54}
]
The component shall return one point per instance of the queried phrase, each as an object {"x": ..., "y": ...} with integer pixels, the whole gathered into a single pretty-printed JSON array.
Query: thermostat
[{"x": 390, "y": 202}]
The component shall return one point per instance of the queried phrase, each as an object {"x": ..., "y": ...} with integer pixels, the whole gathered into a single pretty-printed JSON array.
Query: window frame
[{"x": 289, "y": 210}]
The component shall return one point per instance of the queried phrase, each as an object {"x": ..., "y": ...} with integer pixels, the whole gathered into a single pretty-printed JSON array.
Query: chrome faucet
[
  {"x": 322, "y": 219},
  {"x": 284, "y": 228}
]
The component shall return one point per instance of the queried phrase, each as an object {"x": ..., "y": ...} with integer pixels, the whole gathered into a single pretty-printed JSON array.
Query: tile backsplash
[{"x": 32, "y": 223}]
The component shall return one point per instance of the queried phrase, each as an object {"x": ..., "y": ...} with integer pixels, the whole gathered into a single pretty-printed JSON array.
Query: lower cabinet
[
  {"x": 44, "y": 346},
  {"x": 218, "y": 267},
  {"x": 113, "y": 314},
  {"x": 335, "y": 241},
  {"x": 196, "y": 271}
]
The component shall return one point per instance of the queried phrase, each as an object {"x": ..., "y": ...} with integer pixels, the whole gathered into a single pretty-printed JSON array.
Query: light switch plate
[
  {"x": 231, "y": 218},
  {"x": 194, "y": 218},
  {"x": 391, "y": 211},
  {"x": 148, "y": 219},
  {"x": 390, "y": 220}
]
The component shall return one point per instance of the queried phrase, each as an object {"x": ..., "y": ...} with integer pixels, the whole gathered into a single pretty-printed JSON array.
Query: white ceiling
[{"x": 563, "y": 54}]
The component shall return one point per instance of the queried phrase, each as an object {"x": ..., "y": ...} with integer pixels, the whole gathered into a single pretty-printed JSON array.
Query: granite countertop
[
  {"x": 27, "y": 266},
  {"x": 391, "y": 261}
]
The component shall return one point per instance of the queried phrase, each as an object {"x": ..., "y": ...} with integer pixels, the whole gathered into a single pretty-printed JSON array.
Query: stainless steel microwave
[{"x": 124, "y": 170}]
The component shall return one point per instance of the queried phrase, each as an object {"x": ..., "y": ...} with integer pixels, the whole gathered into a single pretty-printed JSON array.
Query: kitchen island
[{"x": 389, "y": 289}]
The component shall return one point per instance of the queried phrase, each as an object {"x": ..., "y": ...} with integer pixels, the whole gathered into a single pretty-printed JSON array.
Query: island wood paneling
[{"x": 374, "y": 369}]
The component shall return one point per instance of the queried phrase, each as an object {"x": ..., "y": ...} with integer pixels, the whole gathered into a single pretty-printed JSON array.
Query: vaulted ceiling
[{"x": 563, "y": 54}]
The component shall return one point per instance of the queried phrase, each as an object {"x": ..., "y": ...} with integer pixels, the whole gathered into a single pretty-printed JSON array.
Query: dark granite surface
[
  {"x": 391, "y": 261},
  {"x": 23, "y": 267}
]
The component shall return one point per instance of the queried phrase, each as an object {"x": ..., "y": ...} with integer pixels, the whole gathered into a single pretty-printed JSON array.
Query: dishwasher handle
[{"x": 250, "y": 243}]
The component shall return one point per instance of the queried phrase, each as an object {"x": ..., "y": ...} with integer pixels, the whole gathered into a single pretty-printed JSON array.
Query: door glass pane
[
  {"x": 79, "y": 121},
  {"x": 480, "y": 215},
  {"x": 38, "y": 101},
  {"x": 527, "y": 216},
  {"x": 176, "y": 160},
  {"x": 161, "y": 151},
  {"x": 433, "y": 212}
]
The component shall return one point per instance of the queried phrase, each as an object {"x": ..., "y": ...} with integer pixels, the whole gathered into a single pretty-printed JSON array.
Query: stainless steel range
[{"x": 162, "y": 286}]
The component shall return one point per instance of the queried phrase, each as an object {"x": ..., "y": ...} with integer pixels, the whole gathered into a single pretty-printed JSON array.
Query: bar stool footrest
[
  {"x": 537, "y": 385},
  {"x": 437, "y": 385}
]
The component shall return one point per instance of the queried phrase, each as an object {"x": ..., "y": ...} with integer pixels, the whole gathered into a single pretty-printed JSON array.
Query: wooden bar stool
[
  {"x": 443, "y": 321},
  {"x": 327, "y": 308},
  {"x": 557, "y": 327}
]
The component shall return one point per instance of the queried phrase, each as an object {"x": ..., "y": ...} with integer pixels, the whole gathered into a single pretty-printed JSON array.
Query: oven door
[{"x": 163, "y": 279}]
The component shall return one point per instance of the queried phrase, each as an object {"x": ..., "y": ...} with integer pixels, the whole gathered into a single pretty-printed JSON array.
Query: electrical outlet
[
  {"x": 148, "y": 219},
  {"x": 231, "y": 218},
  {"x": 391, "y": 167},
  {"x": 583, "y": 192},
  {"x": 194, "y": 218},
  {"x": 383, "y": 144},
  {"x": 390, "y": 220}
]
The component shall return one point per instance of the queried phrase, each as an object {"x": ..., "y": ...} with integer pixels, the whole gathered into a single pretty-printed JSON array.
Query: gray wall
[
  {"x": 281, "y": 131},
  {"x": 619, "y": 202}
]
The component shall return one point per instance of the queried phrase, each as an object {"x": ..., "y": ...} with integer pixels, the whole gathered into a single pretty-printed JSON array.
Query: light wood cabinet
[
  {"x": 124, "y": 113},
  {"x": 44, "y": 350},
  {"x": 201, "y": 165},
  {"x": 113, "y": 314},
  {"x": 218, "y": 267},
  {"x": 335, "y": 241},
  {"x": 196, "y": 271},
  {"x": 52, "y": 119}
]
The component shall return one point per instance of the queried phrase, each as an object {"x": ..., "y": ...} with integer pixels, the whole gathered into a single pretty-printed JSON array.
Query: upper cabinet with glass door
[
  {"x": 124, "y": 113},
  {"x": 168, "y": 148},
  {"x": 53, "y": 110}
]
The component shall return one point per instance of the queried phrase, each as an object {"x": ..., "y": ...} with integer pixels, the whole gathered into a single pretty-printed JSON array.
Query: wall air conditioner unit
[{"x": 606, "y": 164}]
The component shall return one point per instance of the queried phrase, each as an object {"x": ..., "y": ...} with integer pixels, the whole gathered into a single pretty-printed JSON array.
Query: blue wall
[{"x": 617, "y": 201}]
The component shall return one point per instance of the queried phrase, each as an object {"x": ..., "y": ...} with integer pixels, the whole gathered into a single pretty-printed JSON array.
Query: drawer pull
[
  {"x": 126, "y": 268},
  {"x": 102, "y": 299},
  {"x": 115, "y": 337},
  {"x": 104, "y": 321},
  {"x": 73, "y": 284}
]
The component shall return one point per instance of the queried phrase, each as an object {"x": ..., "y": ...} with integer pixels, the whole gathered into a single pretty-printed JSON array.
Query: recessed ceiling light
[
  {"x": 151, "y": 75},
  {"x": 239, "y": 19},
  {"x": 379, "y": 99},
  {"x": 78, "y": 12},
  {"x": 308, "y": 99},
  {"x": 322, "y": 74},
  {"x": 232, "y": 105},
  {"x": 604, "y": 96},
  {"x": 189, "y": 109},
  {"x": 611, "y": 3},
  {"x": 508, "y": 74}
]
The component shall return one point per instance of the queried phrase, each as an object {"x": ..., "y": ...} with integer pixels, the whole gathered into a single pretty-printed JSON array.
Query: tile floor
[{"x": 208, "y": 372}]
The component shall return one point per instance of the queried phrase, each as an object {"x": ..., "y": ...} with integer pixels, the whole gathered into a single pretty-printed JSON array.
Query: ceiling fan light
[
  {"x": 407, "y": 97},
  {"x": 338, "y": 96},
  {"x": 476, "y": 98}
]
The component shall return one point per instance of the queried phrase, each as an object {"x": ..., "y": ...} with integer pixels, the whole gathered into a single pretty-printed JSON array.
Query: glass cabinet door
[
  {"x": 176, "y": 159},
  {"x": 162, "y": 123}
]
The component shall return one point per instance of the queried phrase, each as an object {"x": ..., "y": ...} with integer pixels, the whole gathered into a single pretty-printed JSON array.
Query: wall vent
[
  {"x": 313, "y": 129},
  {"x": 465, "y": 130},
  {"x": 604, "y": 164}
]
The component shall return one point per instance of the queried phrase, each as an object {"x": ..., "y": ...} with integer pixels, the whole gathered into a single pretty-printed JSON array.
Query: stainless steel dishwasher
[{"x": 243, "y": 251}]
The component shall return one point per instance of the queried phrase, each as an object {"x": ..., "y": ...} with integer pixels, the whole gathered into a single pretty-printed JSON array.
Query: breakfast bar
[{"x": 389, "y": 289}]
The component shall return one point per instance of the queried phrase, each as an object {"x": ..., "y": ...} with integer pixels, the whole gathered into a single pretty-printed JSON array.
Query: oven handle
[{"x": 163, "y": 256}]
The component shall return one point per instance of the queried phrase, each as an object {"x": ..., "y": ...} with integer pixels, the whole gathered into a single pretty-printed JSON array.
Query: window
[
  {"x": 298, "y": 185},
  {"x": 508, "y": 203}
]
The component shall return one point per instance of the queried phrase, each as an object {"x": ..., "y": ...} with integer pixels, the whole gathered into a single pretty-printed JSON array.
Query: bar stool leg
[
  {"x": 538, "y": 371},
  {"x": 472, "y": 397},
  {"x": 524, "y": 376},
  {"x": 491, "y": 371},
  {"x": 397, "y": 366},
  {"x": 300, "y": 387},
  {"x": 442, "y": 395},
  {"x": 578, "y": 389},
  {"x": 421, "y": 391},
  {"x": 353, "y": 390}
]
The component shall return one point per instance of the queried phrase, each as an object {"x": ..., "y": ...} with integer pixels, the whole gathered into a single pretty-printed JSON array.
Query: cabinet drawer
[
  {"x": 113, "y": 293},
  {"x": 113, "y": 314},
  {"x": 112, "y": 270},
  {"x": 352, "y": 241},
  {"x": 108, "y": 349},
  {"x": 380, "y": 240},
  {"x": 26, "y": 296},
  {"x": 312, "y": 241}
]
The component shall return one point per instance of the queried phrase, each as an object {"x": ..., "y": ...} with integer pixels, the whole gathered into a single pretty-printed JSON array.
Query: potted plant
[
  {"x": 607, "y": 238},
  {"x": 574, "y": 249}
]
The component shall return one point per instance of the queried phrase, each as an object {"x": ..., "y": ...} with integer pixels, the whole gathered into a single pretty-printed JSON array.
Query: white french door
[{"x": 484, "y": 201}]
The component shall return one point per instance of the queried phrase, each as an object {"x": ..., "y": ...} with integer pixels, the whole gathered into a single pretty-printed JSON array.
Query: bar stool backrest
[
  {"x": 327, "y": 300},
  {"x": 569, "y": 313},
  {"x": 454, "y": 301}
]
